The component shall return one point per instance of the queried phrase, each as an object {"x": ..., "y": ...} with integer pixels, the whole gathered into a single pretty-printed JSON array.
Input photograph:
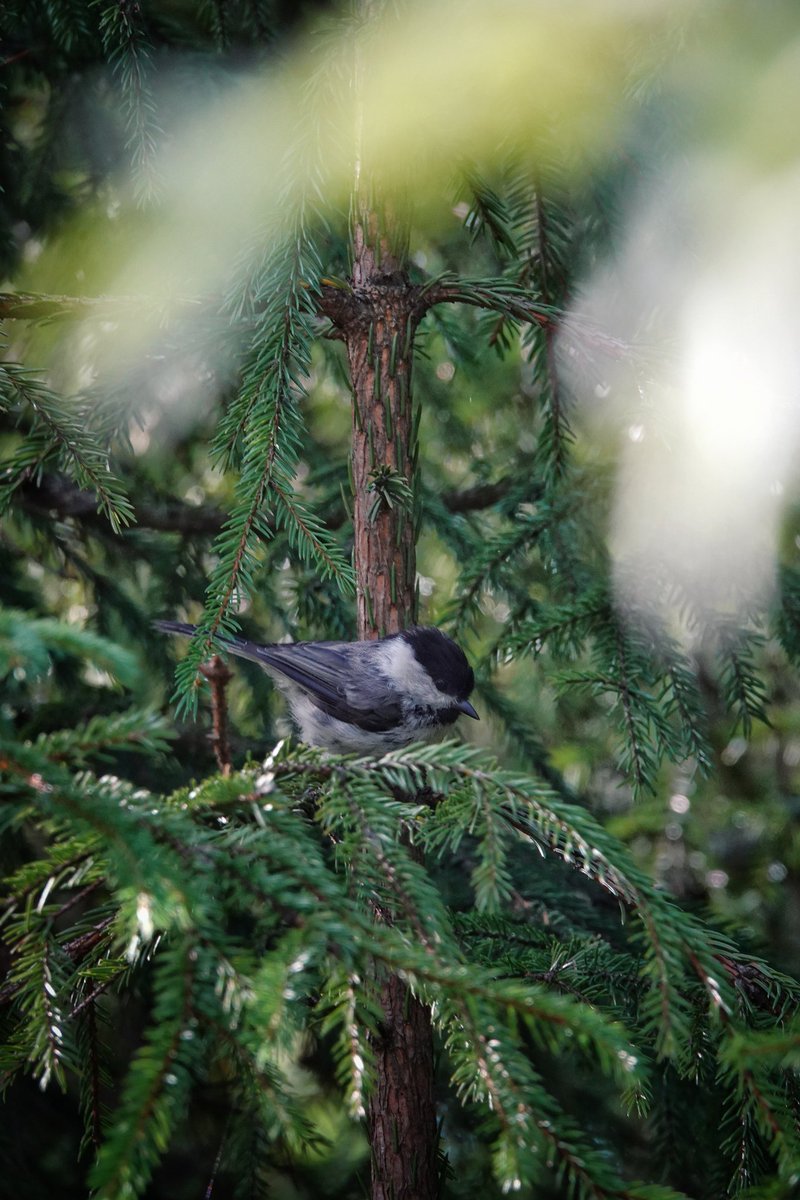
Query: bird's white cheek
[{"x": 400, "y": 666}]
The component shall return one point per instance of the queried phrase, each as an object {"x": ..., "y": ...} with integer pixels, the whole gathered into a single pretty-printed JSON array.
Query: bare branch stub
[{"x": 219, "y": 676}]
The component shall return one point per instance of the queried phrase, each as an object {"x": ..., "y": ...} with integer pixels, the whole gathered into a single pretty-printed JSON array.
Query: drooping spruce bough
[{"x": 196, "y": 963}]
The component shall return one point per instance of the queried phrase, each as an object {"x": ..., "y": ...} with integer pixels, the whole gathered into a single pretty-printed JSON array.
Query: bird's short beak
[{"x": 466, "y": 708}]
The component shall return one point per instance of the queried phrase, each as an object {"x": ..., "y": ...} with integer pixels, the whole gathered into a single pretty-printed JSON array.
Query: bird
[{"x": 365, "y": 697}]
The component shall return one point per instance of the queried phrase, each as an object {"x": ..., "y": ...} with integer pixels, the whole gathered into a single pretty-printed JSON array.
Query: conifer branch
[
  {"x": 152, "y": 1093},
  {"x": 94, "y": 1072},
  {"x": 495, "y": 294},
  {"x": 49, "y": 306},
  {"x": 57, "y": 430},
  {"x": 51, "y": 493},
  {"x": 125, "y": 40}
]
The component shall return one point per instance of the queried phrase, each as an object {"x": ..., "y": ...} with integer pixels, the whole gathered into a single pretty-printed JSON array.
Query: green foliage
[
  {"x": 128, "y": 49},
  {"x": 27, "y": 645},
  {"x": 57, "y": 436},
  {"x": 192, "y": 959},
  {"x": 300, "y": 850}
]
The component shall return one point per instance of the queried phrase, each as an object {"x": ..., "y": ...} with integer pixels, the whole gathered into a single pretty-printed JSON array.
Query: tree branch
[
  {"x": 41, "y": 306},
  {"x": 481, "y": 495},
  {"x": 512, "y": 301},
  {"x": 515, "y": 302},
  {"x": 55, "y": 495}
]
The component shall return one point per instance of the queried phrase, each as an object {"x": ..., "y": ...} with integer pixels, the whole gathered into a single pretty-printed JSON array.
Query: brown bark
[
  {"x": 379, "y": 337},
  {"x": 378, "y": 319},
  {"x": 402, "y": 1111},
  {"x": 380, "y": 355}
]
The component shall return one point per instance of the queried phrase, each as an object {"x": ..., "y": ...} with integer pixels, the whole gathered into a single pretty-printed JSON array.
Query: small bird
[{"x": 365, "y": 697}]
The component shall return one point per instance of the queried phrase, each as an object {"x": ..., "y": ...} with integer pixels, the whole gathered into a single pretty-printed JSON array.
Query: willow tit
[{"x": 365, "y": 697}]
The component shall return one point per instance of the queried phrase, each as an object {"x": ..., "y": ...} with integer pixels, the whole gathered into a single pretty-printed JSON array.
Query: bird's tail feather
[
  {"x": 233, "y": 645},
  {"x": 175, "y": 627}
]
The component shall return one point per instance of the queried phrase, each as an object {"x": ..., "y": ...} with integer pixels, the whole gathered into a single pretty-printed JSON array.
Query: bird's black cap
[{"x": 445, "y": 662}]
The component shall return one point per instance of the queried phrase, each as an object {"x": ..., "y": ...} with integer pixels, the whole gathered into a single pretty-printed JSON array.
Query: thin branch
[
  {"x": 506, "y": 299},
  {"x": 218, "y": 675},
  {"x": 549, "y": 332},
  {"x": 520, "y": 305},
  {"x": 56, "y": 493},
  {"x": 482, "y": 495},
  {"x": 94, "y": 1075},
  {"x": 40, "y": 306},
  {"x": 76, "y": 950}
]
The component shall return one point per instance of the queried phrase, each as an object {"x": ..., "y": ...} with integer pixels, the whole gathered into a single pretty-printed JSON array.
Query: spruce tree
[{"x": 233, "y": 964}]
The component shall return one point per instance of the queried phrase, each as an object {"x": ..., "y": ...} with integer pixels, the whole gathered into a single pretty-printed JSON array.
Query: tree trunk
[
  {"x": 383, "y": 455},
  {"x": 381, "y": 319},
  {"x": 402, "y": 1111}
]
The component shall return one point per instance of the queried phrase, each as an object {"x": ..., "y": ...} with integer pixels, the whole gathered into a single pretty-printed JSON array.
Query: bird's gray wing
[
  {"x": 337, "y": 676},
  {"x": 342, "y": 683}
]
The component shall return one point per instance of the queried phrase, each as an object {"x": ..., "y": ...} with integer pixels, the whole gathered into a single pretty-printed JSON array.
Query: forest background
[{"x": 579, "y": 231}]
